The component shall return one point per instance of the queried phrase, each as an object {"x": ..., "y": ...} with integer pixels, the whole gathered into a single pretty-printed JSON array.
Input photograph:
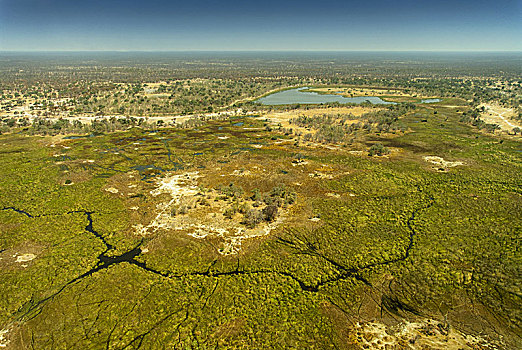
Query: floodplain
[{"x": 321, "y": 226}]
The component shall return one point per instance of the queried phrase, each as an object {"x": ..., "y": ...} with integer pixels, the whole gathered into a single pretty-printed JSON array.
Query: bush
[
  {"x": 244, "y": 208},
  {"x": 232, "y": 191},
  {"x": 257, "y": 196},
  {"x": 252, "y": 218},
  {"x": 378, "y": 150},
  {"x": 270, "y": 212},
  {"x": 229, "y": 212}
]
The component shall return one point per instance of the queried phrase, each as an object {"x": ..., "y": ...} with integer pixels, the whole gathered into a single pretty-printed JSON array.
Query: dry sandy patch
[
  {"x": 441, "y": 164},
  {"x": 495, "y": 114},
  {"x": 424, "y": 334},
  {"x": 199, "y": 213}
]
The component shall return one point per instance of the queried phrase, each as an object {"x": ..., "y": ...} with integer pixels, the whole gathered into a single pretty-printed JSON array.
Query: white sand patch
[
  {"x": 425, "y": 334},
  {"x": 25, "y": 257},
  {"x": 112, "y": 190},
  {"x": 299, "y": 162},
  {"x": 241, "y": 173},
  {"x": 333, "y": 148},
  {"x": 441, "y": 163},
  {"x": 358, "y": 153},
  {"x": 232, "y": 235},
  {"x": 495, "y": 114},
  {"x": 141, "y": 230},
  {"x": 232, "y": 238},
  {"x": 177, "y": 186},
  {"x": 202, "y": 231},
  {"x": 320, "y": 175},
  {"x": 3, "y": 337}
]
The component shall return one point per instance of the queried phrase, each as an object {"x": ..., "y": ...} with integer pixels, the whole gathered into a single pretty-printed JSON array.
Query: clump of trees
[
  {"x": 341, "y": 128},
  {"x": 61, "y": 126},
  {"x": 378, "y": 150},
  {"x": 231, "y": 191},
  {"x": 259, "y": 207},
  {"x": 279, "y": 196}
]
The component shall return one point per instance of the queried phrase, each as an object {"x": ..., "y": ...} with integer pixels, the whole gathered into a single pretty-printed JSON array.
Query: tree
[
  {"x": 270, "y": 212},
  {"x": 252, "y": 217}
]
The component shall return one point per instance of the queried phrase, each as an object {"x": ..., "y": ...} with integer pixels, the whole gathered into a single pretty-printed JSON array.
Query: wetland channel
[{"x": 32, "y": 308}]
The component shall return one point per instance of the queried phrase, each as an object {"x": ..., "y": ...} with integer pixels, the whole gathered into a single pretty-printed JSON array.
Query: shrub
[
  {"x": 232, "y": 191},
  {"x": 257, "y": 196},
  {"x": 378, "y": 150},
  {"x": 270, "y": 212},
  {"x": 229, "y": 212},
  {"x": 252, "y": 218}
]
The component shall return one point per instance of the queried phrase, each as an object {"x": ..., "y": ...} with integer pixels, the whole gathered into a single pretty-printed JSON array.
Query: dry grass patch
[{"x": 284, "y": 118}]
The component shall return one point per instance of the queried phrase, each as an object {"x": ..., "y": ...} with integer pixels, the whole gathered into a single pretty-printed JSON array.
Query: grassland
[{"x": 398, "y": 249}]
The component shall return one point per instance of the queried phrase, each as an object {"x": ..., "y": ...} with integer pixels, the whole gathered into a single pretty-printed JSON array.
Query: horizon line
[{"x": 252, "y": 50}]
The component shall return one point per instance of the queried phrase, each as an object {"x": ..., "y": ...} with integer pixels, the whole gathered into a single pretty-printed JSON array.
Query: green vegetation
[
  {"x": 378, "y": 150},
  {"x": 290, "y": 279},
  {"x": 341, "y": 129},
  {"x": 291, "y": 245}
]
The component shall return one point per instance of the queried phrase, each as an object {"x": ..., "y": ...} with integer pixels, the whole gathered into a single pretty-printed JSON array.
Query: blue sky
[{"x": 162, "y": 25}]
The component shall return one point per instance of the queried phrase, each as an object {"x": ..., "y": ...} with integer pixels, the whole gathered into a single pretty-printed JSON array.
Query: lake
[
  {"x": 431, "y": 100},
  {"x": 301, "y": 96}
]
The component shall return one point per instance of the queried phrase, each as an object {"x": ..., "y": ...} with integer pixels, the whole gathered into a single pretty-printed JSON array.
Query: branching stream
[{"x": 32, "y": 308}]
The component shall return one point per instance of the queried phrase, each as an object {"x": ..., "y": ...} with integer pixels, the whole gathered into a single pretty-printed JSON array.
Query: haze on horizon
[{"x": 294, "y": 25}]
